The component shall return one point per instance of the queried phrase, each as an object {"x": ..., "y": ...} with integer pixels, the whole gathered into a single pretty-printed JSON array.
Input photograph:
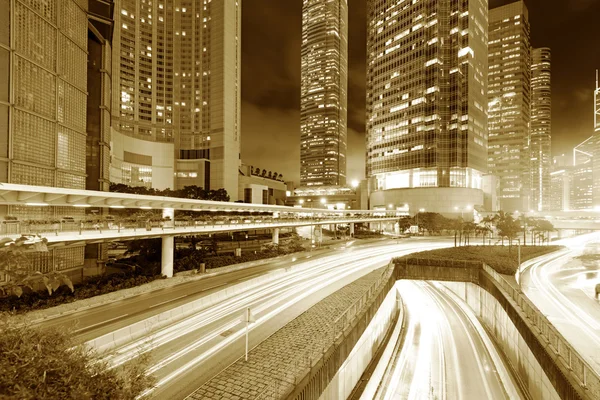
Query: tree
[
  {"x": 16, "y": 264},
  {"x": 508, "y": 228},
  {"x": 39, "y": 363},
  {"x": 469, "y": 228}
]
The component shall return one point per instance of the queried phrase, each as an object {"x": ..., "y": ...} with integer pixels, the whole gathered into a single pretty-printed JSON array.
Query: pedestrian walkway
[{"x": 275, "y": 365}]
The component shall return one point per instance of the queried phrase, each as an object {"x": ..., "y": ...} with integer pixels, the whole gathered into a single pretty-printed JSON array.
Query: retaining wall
[{"x": 570, "y": 376}]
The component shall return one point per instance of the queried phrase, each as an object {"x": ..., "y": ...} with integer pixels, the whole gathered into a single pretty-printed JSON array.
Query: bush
[
  {"x": 503, "y": 259},
  {"x": 94, "y": 286},
  {"x": 38, "y": 363}
]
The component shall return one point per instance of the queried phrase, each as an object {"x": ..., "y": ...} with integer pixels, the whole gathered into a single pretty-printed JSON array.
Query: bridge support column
[
  {"x": 276, "y": 236},
  {"x": 166, "y": 265},
  {"x": 352, "y": 229}
]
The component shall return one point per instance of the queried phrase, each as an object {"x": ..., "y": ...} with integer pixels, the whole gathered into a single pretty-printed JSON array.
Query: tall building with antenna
[{"x": 324, "y": 86}]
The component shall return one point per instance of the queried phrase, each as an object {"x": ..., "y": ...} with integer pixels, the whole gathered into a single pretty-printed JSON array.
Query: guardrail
[
  {"x": 79, "y": 227},
  {"x": 585, "y": 375},
  {"x": 576, "y": 370},
  {"x": 315, "y": 367}
]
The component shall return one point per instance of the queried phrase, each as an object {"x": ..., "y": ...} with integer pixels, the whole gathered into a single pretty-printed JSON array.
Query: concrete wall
[
  {"x": 570, "y": 376},
  {"x": 323, "y": 371},
  {"x": 162, "y": 154},
  {"x": 506, "y": 335},
  {"x": 344, "y": 381}
]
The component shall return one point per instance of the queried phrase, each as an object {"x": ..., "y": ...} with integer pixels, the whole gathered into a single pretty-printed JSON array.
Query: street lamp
[
  {"x": 518, "y": 274},
  {"x": 355, "y": 183}
]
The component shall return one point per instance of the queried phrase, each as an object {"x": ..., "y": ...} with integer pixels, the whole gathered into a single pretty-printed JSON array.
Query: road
[
  {"x": 187, "y": 353},
  {"x": 99, "y": 320},
  {"x": 562, "y": 285},
  {"x": 445, "y": 354}
]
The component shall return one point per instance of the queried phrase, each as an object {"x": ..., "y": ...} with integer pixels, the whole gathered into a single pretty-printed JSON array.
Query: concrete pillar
[
  {"x": 352, "y": 229},
  {"x": 276, "y": 236},
  {"x": 166, "y": 266}
]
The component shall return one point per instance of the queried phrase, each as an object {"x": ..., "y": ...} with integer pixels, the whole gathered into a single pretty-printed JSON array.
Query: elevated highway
[{"x": 77, "y": 233}]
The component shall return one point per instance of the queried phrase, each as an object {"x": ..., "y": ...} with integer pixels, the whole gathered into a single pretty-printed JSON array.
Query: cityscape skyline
[{"x": 572, "y": 89}]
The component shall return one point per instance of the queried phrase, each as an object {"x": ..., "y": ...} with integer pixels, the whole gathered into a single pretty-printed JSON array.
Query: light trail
[
  {"x": 454, "y": 357},
  {"x": 193, "y": 341},
  {"x": 562, "y": 288}
]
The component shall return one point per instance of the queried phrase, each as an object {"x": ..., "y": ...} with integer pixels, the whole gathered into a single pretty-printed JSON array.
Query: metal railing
[
  {"x": 305, "y": 360},
  {"x": 13, "y": 228},
  {"x": 585, "y": 375}
]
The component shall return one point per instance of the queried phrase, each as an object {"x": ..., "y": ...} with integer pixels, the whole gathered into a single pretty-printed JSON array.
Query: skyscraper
[
  {"x": 597, "y": 106},
  {"x": 541, "y": 125},
  {"x": 47, "y": 52},
  {"x": 509, "y": 84},
  {"x": 176, "y": 88},
  {"x": 324, "y": 85},
  {"x": 426, "y": 98}
]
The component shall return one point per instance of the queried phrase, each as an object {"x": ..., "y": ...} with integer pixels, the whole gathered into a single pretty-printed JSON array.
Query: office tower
[
  {"x": 597, "y": 106},
  {"x": 176, "y": 86},
  {"x": 324, "y": 85},
  {"x": 426, "y": 98},
  {"x": 45, "y": 92},
  {"x": 541, "y": 125},
  {"x": 509, "y": 83}
]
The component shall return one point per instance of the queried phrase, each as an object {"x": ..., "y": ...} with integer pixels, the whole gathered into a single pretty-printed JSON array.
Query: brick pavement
[{"x": 274, "y": 364}]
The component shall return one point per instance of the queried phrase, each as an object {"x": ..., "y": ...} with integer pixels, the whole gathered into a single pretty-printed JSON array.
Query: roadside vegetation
[
  {"x": 503, "y": 259},
  {"x": 142, "y": 265},
  {"x": 45, "y": 364}
]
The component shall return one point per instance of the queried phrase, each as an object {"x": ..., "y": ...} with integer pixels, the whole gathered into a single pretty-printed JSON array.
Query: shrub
[
  {"x": 38, "y": 363},
  {"x": 503, "y": 259}
]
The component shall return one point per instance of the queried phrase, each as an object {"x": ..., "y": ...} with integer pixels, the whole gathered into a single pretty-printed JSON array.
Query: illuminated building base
[{"x": 450, "y": 202}]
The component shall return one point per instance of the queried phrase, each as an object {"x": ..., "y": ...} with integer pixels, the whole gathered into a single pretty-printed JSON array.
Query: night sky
[{"x": 271, "y": 31}]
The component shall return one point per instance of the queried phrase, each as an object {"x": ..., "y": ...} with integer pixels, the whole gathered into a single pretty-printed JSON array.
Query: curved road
[
  {"x": 446, "y": 353},
  {"x": 562, "y": 285},
  {"x": 188, "y": 352}
]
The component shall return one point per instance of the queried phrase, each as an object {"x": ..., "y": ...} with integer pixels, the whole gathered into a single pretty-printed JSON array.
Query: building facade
[
  {"x": 54, "y": 111},
  {"x": 541, "y": 128},
  {"x": 324, "y": 87},
  {"x": 509, "y": 82},
  {"x": 426, "y": 99},
  {"x": 176, "y": 85}
]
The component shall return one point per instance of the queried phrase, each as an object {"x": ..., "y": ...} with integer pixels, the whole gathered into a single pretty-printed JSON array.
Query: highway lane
[
  {"x": 191, "y": 351},
  {"x": 562, "y": 285},
  {"x": 445, "y": 354},
  {"x": 106, "y": 318}
]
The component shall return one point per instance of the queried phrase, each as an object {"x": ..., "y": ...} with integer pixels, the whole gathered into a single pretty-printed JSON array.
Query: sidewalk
[{"x": 275, "y": 364}]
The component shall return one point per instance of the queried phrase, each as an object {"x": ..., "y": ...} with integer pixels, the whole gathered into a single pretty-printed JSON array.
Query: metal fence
[{"x": 587, "y": 378}]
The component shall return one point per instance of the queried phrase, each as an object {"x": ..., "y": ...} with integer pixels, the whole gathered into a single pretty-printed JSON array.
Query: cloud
[
  {"x": 581, "y": 5},
  {"x": 271, "y": 140}
]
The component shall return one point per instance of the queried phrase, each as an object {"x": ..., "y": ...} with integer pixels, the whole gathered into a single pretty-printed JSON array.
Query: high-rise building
[
  {"x": 541, "y": 126},
  {"x": 324, "y": 85},
  {"x": 52, "y": 75},
  {"x": 176, "y": 92},
  {"x": 426, "y": 99},
  {"x": 509, "y": 83}
]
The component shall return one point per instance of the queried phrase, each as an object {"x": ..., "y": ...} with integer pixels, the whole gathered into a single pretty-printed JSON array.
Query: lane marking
[
  {"x": 100, "y": 323},
  {"x": 167, "y": 301}
]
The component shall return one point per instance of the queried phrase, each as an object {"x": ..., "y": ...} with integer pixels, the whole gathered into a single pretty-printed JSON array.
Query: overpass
[{"x": 77, "y": 232}]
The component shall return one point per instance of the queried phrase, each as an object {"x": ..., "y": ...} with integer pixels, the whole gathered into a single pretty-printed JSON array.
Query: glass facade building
[
  {"x": 427, "y": 65},
  {"x": 509, "y": 105},
  {"x": 541, "y": 128},
  {"x": 176, "y": 79},
  {"x": 324, "y": 86}
]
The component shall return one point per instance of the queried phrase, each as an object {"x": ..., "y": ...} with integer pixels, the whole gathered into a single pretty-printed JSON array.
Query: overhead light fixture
[
  {"x": 146, "y": 208},
  {"x": 117, "y": 206},
  {"x": 81, "y": 205},
  {"x": 37, "y": 204}
]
